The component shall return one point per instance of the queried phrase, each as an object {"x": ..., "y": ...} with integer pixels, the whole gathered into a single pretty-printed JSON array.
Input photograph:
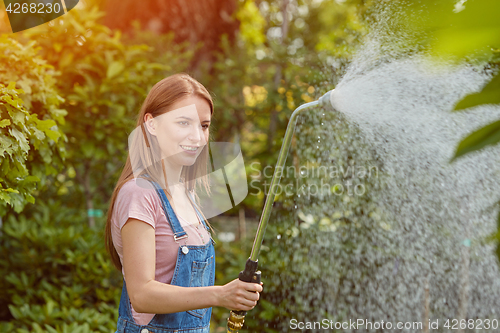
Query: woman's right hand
[{"x": 239, "y": 295}]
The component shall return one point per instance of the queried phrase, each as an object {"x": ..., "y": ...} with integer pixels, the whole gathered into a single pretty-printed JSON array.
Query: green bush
[
  {"x": 31, "y": 140},
  {"x": 57, "y": 277}
]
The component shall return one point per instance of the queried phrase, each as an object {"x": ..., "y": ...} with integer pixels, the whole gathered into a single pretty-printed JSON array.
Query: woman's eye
[
  {"x": 183, "y": 122},
  {"x": 206, "y": 126}
]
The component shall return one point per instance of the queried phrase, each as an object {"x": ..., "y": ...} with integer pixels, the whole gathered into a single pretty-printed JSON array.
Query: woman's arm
[{"x": 150, "y": 296}]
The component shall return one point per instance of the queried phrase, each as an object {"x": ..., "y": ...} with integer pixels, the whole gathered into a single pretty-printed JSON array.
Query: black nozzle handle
[{"x": 250, "y": 274}]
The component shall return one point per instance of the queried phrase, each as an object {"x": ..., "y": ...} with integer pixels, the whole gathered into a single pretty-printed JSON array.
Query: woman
[{"x": 155, "y": 233}]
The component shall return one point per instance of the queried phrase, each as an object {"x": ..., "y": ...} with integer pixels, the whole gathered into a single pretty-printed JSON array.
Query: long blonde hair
[{"x": 159, "y": 101}]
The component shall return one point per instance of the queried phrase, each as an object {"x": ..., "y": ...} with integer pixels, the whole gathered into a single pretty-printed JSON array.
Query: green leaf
[
  {"x": 45, "y": 125},
  {"x": 15, "y": 312},
  {"x": 59, "y": 114},
  {"x": 470, "y": 29},
  {"x": 489, "y": 95},
  {"x": 38, "y": 134},
  {"x": 18, "y": 117},
  {"x": 29, "y": 198},
  {"x": 54, "y": 135},
  {"x": 488, "y": 135},
  {"x": 466, "y": 41},
  {"x": 5, "y": 197},
  {"x": 115, "y": 68},
  {"x": 10, "y": 190},
  {"x": 20, "y": 138},
  {"x": 4, "y": 123},
  {"x": 31, "y": 179},
  {"x": 50, "y": 329}
]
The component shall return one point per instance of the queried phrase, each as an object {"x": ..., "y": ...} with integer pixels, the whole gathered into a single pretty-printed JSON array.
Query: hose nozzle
[
  {"x": 235, "y": 321},
  {"x": 249, "y": 274},
  {"x": 326, "y": 99}
]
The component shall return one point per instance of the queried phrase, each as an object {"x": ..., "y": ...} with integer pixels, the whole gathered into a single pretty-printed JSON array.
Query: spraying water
[
  {"x": 407, "y": 243},
  {"x": 441, "y": 212}
]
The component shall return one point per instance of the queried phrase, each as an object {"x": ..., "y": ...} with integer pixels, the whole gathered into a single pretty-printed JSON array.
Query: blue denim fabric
[{"x": 193, "y": 269}]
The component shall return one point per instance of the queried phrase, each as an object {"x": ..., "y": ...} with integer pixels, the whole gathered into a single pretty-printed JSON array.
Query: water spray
[{"x": 250, "y": 273}]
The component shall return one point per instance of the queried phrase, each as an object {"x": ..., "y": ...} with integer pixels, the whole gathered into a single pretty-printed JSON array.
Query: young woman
[{"x": 155, "y": 232}]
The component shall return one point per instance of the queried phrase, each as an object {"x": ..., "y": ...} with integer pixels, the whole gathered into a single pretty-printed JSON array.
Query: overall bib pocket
[{"x": 199, "y": 279}]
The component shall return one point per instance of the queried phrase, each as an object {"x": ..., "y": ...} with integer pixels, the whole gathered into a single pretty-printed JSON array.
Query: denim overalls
[{"x": 195, "y": 267}]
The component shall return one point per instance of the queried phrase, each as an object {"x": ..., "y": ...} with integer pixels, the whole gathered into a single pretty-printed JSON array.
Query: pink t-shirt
[{"x": 138, "y": 199}]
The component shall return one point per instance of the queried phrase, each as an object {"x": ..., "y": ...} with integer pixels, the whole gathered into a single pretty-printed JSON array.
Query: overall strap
[{"x": 179, "y": 232}]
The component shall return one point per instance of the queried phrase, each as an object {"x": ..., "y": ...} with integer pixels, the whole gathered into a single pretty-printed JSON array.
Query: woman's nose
[{"x": 196, "y": 134}]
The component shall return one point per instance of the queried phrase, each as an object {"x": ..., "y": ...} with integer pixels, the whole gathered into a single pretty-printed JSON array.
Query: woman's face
[{"x": 183, "y": 132}]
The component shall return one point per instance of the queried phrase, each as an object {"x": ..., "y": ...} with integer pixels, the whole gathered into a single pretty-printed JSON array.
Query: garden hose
[{"x": 250, "y": 274}]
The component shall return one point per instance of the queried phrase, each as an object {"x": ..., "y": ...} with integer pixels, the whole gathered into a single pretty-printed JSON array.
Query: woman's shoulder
[
  {"x": 137, "y": 188},
  {"x": 138, "y": 184},
  {"x": 137, "y": 199}
]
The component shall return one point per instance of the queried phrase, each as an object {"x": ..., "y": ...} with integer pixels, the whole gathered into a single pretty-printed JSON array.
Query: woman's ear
[{"x": 150, "y": 123}]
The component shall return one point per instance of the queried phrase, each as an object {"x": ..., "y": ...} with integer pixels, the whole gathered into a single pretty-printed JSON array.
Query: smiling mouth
[{"x": 188, "y": 148}]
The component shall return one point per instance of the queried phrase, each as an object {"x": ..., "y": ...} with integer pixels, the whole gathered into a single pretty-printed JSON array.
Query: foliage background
[{"x": 69, "y": 93}]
